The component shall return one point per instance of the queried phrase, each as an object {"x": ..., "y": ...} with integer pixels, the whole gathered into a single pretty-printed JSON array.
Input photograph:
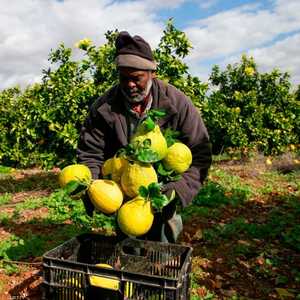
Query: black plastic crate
[{"x": 140, "y": 270}]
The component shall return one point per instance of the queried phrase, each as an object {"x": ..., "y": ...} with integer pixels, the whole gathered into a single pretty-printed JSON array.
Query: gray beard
[{"x": 140, "y": 97}]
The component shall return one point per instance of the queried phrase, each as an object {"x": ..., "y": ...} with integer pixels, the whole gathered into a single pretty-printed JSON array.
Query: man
[{"x": 114, "y": 117}]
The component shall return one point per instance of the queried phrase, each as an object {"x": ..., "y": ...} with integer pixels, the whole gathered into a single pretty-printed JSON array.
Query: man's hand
[{"x": 89, "y": 207}]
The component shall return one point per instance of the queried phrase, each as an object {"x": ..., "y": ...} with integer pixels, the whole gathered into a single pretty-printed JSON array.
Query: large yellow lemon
[
  {"x": 106, "y": 195},
  {"x": 135, "y": 217},
  {"x": 107, "y": 167},
  {"x": 74, "y": 172},
  {"x": 135, "y": 175},
  {"x": 158, "y": 142},
  {"x": 114, "y": 166},
  {"x": 178, "y": 158}
]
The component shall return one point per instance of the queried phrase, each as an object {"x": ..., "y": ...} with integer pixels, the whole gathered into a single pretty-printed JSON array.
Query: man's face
[{"x": 135, "y": 83}]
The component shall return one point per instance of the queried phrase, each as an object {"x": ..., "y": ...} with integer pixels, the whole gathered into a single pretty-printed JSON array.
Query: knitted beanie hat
[{"x": 134, "y": 52}]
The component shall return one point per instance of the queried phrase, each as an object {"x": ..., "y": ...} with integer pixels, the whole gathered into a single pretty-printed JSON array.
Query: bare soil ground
[{"x": 243, "y": 261}]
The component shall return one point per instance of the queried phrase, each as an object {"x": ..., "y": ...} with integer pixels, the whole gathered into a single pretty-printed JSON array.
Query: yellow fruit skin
[
  {"x": 107, "y": 167},
  {"x": 158, "y": 142},
  {"x": 74, "y": 172},
  {"x": 178, "y": 158},
  {"x": 118, "y": 166},
  {"x": 135, "y": 217},
  {"x": 135, "y": 175},
  {"x": 106, "y": 195},
  {"x": 76, "y": 295},
  {"x": 114, "y": 166}
]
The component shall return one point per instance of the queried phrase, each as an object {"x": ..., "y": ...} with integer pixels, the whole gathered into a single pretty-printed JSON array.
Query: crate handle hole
[{"x": 136, "y": 251}]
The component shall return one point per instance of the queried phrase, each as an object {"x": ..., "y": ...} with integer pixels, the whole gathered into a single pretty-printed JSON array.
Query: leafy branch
[
  {"x": 140, "y": 152},
  {"x": 154, "y": 194},
  {"x": 152, "y": 116},
  {"x": 171, "y": 136},
  {"x": 166, "y": 175}
]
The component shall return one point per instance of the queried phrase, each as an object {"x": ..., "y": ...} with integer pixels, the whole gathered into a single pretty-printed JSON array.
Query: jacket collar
[{"x": 162, "y": 101}]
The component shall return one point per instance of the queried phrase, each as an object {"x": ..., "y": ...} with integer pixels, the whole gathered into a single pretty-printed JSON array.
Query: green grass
[
  {"x": 5, "y": 170},
  {"x": 43, "y": 180},
  {"x": 30, "y": 203},
  {"x": 5, "y": 198}
]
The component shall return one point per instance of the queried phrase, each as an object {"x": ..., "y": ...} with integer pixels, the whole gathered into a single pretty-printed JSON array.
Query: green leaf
[
  {"x": 158, "y": 202},
  {"x": 156, "y": 114},
  {"x": 174, "y": 177},
  {"x": 147, "y": 156},
  {"x": 163, "y": 171},
  {"x": 143, "y": 191},
  {"x": 72, "y": 186},
  {"x": 149, "y": 124},
  {"x": 171, "y": 136},
  {"x": 154, "y": 189}
]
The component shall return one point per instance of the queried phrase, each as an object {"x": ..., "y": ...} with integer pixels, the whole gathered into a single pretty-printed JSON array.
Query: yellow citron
[
  {"x": 178, "y": 158},
  {"x": 106, "y": 195},
  {"x": 135, "y": 175},
  {"x": 107, "y": 167},
  {"x": 74, "y": 172},
  {"x": 114, "y": 166},
  {"x": 74, "y": 283},
  {"x": 111, "y": 283},
  {"x": 158, "y": 142},
  {"x": 135, "y": 217}
]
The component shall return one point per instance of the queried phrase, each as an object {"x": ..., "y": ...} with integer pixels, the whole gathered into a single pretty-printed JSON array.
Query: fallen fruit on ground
[
  {"x": 75, "y": 172},
  {"x": 106, "y": 195},
  {"x": 178, "y": 158},
  {"x": 135, "y": 217},
  {"x": 135, "y": 175}
]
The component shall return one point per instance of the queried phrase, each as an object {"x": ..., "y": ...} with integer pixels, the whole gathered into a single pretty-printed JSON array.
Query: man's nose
[{"x": 131, "y": 84}]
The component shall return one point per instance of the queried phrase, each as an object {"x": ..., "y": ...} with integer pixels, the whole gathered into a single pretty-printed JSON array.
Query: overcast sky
[{"x": 220, "y": 31}]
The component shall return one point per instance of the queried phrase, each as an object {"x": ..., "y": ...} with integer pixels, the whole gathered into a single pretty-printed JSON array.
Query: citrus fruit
[
  {"x": 135, "y": 175},
  {"x": 105, "y": 282},
  {"x": 135, "y": 217},
  {"x": 158, "y": 142},
  {"x": 111, "y": 283},
  {"x": 178, "y": 158},
  {"x": 76, "y": 172},
  {"x": 106, "y": 195},
  {"x": 75, "y": 294},
  {"x": 114, "y": 166},
  {"x": 107, "y": 167}
]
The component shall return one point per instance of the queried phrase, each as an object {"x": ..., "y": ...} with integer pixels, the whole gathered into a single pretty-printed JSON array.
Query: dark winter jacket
[{"x": 105, "y": 131}]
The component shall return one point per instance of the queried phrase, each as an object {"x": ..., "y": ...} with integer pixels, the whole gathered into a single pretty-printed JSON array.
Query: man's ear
[{"x": 153, "y": 74}]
